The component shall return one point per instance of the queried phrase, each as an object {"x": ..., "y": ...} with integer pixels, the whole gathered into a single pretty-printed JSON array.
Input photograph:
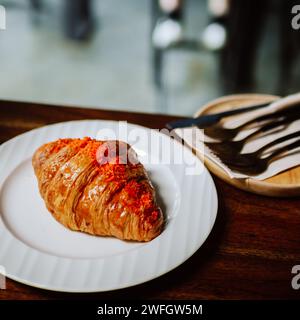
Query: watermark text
[
  {"x": 2, "y": 18},
  {"x": 2, "y": 278},
  {"x": 295, "y": 22},
  {"x": 296, "y": 279}
]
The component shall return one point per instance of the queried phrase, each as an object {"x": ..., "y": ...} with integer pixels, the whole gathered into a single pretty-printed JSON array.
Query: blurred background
[{"x": 167, "y": 56}]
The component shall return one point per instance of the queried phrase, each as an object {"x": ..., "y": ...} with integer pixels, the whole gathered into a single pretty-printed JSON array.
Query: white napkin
[{"x": 194, "y": 138}]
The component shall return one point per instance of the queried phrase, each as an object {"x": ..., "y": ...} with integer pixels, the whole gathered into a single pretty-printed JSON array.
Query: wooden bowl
[{"x": 285, "y": 184}]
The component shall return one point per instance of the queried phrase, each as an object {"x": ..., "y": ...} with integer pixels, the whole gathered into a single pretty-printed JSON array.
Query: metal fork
[
  {"x": 223, "y": 134},
  {"x": 253, "y": 164},
  {"x": 230, "y": 148}
]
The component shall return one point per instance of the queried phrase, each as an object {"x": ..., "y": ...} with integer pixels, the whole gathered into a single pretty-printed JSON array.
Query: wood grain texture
[
  {"x": 285, "y": 184},
  {"x": 249, "y": 254}
]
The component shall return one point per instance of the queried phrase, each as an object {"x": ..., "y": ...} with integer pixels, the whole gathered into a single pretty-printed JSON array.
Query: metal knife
[{"x": 210, "y": 119}]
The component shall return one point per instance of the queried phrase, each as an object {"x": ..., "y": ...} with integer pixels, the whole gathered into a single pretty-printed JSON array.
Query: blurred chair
[
  {"x": 166, "y": 30},
  {"x": 245, "y": 25},
  {"x": 234, "y": 31},
  {"x": 77, "y": 17},
  {"x": 36, "y": 4}
]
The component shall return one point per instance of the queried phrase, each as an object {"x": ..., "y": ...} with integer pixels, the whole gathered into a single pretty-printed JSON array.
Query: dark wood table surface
[{"x": 249, "y": 254}]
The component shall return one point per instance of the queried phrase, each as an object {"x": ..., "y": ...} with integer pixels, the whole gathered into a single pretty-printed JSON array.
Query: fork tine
[
  {"x": 224, "y": 134},
  {"x": 253, "y": 162}
]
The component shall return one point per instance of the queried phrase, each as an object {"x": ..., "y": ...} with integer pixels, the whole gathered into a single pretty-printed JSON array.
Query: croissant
[{"x": 89, "y": 188}]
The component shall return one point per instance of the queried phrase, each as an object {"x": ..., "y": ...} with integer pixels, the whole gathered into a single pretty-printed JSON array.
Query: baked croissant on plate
[{"x": 98, "y": 187}]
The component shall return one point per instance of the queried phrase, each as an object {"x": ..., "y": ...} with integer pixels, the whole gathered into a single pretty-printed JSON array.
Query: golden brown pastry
[{"x": 88, "y": 186}]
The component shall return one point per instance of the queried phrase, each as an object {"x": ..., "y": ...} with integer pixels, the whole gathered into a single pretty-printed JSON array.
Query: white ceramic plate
[{"x": 36, "y": 250}]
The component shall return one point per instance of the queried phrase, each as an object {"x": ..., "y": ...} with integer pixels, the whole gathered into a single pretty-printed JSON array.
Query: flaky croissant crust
[{"x": 104, "y": 199}]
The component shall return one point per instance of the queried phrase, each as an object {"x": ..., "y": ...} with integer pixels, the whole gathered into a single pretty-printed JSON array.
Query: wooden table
[{"x": 249, "y": 254}]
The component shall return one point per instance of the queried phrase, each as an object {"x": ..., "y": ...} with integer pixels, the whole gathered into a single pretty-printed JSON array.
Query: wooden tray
[{"x": 285, "y": 184}]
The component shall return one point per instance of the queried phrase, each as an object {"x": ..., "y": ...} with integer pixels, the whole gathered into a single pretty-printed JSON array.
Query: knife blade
[{"x": 210, "y": 119}]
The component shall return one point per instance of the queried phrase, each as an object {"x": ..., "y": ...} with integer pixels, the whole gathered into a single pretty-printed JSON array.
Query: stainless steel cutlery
[{"x": 228, "y": 149}]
